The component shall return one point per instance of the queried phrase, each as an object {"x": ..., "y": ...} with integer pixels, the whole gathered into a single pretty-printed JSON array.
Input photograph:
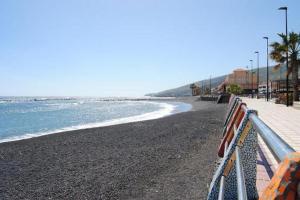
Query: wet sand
[{"x": 166, "y": 158}]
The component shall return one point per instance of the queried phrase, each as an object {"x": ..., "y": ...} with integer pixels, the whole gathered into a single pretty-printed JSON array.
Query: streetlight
[
  {"x": 247, "y": 79},
  {"x": 257, "y": 79},
  {"x": 210, "y": 84},
  {"x": 251, "y": 61},
  {"x": 287, "y": 55},
  {"x": 267, "y": 67}
]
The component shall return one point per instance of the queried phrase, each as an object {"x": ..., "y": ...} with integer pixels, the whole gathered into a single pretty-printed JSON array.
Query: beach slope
[{"x": 167, "y": 158}]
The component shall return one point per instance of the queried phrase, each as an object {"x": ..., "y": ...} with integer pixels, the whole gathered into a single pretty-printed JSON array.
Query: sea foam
[{"x": 165, "y": 110}]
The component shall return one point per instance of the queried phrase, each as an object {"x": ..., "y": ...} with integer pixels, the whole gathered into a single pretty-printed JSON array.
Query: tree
[
  {"x": 206, "y": 91},
  {"x": 278, "y": 54},
  {"x": 193, "y": 85},
  {"x": 234, "y": 89}
]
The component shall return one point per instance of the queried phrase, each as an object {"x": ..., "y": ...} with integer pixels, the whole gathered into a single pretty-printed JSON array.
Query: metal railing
[{"x": 278, "y": 147}]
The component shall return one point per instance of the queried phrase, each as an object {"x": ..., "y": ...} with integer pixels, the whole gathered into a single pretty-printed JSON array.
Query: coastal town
[{"x": 249, "y": 83}]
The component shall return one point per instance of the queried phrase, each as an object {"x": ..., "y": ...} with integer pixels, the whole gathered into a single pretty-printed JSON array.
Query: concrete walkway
[{"x": 285, "y": 121}]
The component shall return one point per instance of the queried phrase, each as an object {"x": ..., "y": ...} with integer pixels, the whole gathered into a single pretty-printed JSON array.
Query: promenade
[{"x": 285, "y": 121}]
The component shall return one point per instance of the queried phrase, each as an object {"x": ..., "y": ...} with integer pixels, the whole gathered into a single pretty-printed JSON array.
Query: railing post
[
  {"x": 240, "y": 178},
  {"x": 222, "y": 182},
  {"x": 230, "y": 109},
  {"x": 246, "y": 139},
  {"x": 222, "y": 188},
  {"x": 230, "y": 113}
]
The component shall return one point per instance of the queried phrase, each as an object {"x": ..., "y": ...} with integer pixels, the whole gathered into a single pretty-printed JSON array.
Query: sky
[{"x": 130, "y": 47}]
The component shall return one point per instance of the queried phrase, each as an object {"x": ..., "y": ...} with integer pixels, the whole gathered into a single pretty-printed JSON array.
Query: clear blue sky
[{"x": 130, "y": 47}]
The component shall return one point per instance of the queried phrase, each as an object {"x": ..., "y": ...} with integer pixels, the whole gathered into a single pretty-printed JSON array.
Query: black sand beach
[{"x": 167, "y": 158}]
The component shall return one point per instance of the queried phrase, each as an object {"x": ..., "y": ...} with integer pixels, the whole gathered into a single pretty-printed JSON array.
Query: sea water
[{"x": 26, "y": 117}]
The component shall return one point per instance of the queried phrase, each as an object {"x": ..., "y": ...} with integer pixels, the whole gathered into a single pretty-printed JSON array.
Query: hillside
[{"x": 186, "y": 91}]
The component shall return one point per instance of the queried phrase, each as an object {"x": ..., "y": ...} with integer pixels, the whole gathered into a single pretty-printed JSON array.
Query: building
[{"x": 242, "y": 78}]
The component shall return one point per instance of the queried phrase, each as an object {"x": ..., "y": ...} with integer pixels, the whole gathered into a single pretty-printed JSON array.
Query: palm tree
[{"x": 278, "y": 54}]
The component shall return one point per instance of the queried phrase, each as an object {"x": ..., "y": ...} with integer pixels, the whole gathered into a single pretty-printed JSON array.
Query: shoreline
[
  {"x": 167, "y": 158},
  {"x": 167, "y": 110}
]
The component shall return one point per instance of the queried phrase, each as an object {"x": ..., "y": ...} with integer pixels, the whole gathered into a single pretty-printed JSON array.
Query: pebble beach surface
[{"x": 167, "y": 158}]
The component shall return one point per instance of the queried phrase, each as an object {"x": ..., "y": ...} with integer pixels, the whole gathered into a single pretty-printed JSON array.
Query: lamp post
[
  {"x": 267, "y": 67},
  {"x": 251, "y": 61},
  {"x": 287, "y": 55},
  {"x": 257, "y": 76},
  {"x": 247, "y": 79},
  {"x": 210, "y": 84}
]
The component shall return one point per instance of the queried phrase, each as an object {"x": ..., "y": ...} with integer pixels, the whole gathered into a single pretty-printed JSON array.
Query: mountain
[{"x": 186, "y": 91}]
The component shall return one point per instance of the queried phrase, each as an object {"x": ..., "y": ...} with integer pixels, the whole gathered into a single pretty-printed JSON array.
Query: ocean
[{"x": 27, "y": 117}]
